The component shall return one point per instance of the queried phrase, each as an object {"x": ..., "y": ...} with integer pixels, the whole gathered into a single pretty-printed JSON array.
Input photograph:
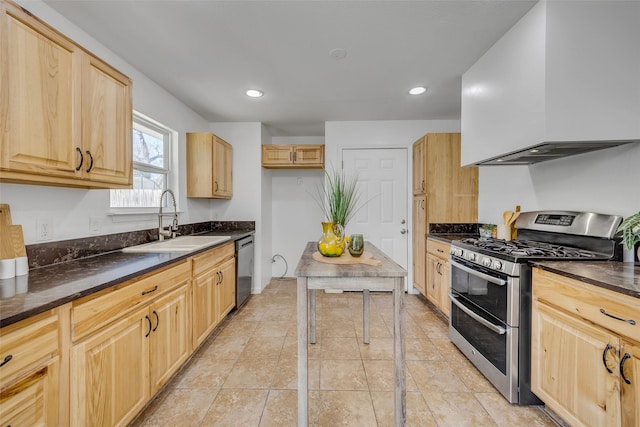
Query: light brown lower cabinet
[
  {"x": 585, "y": 363},
  {"x": 29, "y": 372},
  {"x": 438, "y": 274},
  {"x": 214, "y": 287},
  {"x": 116, "y": 367},
  {"x": 97, "y": 361}
]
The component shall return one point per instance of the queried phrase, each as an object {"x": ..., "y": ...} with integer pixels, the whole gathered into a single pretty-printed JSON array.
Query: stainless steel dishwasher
[{"x": 244, "y": 269}]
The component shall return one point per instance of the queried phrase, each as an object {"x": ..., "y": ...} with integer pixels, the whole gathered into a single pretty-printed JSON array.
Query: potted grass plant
[
  {"x": 339, "y": 201},
  {"x": 630, "y": 229}
]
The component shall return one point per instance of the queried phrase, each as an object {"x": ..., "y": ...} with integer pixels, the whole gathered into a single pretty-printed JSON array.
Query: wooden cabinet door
[
  {"x": 277, "y": 155},
  {"x": 170, "y": 339},
  {"x": 199, "y": 164},
  {"x": 204, "y": 308},
  {"x": 630, "y": 382},
  {"x": 419, "y": 246},
  {"x": 445, "y": 287},
  {"x": 106, "y": 124},
  {"x": 309, "y": 155},
  {"x": 32, "y": 401},
  {"x": 453, "y": 189},
  {"x": 226, "y": 295},
  {"x": 418, "y": 167},
  {"x": 222, "y": 169},
  {"x": 567, "y": 368},
  {"x": 39, "y": 99},
  {"x": 110, "y": 373},
  {"x": 433, "y": 280}
]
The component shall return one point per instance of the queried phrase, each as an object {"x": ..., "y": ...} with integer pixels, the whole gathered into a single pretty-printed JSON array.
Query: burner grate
[{"x": 529, "y": 248}]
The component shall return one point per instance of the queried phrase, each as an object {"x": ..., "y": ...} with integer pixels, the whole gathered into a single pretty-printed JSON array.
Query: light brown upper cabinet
[
  {"x": 307, "y": 156},
  {"x": 65, "y": 115},
  {"x": 209, "y": 166},
  {"x": 444, "y": 192}
]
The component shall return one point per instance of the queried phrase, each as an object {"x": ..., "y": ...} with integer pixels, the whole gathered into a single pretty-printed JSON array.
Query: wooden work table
[{"x": 389, "y": 276}]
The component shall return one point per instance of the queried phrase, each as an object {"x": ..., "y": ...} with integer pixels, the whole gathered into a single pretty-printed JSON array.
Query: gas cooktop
[{"x": 529, "y": 249}]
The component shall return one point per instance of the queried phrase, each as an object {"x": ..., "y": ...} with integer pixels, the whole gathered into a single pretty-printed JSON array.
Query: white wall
[
  {"x": 605, "y": 181},
  {"x": 69, "y": 209},
  {"x": 295, "y": 215},
  {"x": 247, "y": 201}
]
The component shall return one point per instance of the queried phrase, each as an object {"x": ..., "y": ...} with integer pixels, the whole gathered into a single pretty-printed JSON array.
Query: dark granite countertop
[
  {"x": 449, "y": 237},
  {"x": 49, "y": 287},
  {"x": 448, "y": 232},
  {"x": 622, "y": 277}
]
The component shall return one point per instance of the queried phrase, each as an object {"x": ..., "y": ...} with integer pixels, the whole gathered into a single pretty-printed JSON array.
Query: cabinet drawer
[
  {"x": 209, "y": 259},
  {"x": 438, "y": 248},
  {"x": 586, "y": 301},
  {"x": 91, "y": 313},
  {"x": 27, "y": 344}
]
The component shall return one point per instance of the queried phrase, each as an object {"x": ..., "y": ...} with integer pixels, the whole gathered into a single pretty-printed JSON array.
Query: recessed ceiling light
[
  {"x": 254, "y": 93},
  {"x": 535, "y": 150},
  {"x": 418, "y": 90},
  {"x": 338, "y": 54}
]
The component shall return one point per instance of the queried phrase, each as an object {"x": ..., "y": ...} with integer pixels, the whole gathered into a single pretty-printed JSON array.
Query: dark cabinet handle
[
  {"x": 81, "y": 159},
  {"x": 604, "y": 357},
  {"x": 624, "y": 359},
  {"x": 155, "y": 288},
  {"x": 629, "y": 321},
  {"x": 91, "y": 159},
  {"x": 148, "y": 320},
  {"x": 155, "y": 313},
  {"x": 219, "y": 278},
  {"x": 216, "y": 186},
  {"x": 6, "y": 360}
]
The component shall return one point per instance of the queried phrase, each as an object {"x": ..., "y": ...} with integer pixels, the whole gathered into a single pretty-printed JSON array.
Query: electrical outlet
[
  {"x": 44, "y": 230},
  {"x": 95, "y": 225}
]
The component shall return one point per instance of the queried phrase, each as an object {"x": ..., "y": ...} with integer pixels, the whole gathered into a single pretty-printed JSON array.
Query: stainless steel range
[{"x": 490, "y": 320}]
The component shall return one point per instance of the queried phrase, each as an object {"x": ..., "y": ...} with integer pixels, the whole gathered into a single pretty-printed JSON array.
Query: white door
[{"x": 382, "y": 180}]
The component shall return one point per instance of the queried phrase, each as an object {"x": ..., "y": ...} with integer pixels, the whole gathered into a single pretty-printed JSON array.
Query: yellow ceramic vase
[{"x": 331, "y": 242}]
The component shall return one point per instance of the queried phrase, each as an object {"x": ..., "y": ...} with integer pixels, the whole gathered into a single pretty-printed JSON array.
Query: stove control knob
[
  {"x": 456, "y": 252},
  {"x": 487, "y": 262},
  {"x": 472, "y": 257},
  {"x": 497, "y": 265}
]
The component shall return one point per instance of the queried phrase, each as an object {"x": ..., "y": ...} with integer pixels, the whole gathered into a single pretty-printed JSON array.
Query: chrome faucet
[{"x": 172, "y": 231}]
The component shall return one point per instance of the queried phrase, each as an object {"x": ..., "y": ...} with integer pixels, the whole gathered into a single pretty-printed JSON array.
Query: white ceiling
[{"x": 207, "y": 53}]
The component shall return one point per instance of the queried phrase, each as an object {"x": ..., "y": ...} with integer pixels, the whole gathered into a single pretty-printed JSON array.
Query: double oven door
[{"x": 484, "y": 322}]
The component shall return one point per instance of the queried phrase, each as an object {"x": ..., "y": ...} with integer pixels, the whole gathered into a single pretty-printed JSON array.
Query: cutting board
[
  {"x": 346, "y": 258},
  {"x": 6, "y": 243},
  {"x": 5, "y": 215},
  {"x": 17, "y": 241}
]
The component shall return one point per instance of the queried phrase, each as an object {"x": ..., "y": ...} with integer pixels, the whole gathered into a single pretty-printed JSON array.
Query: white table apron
[{"x": 390, "y": 278}]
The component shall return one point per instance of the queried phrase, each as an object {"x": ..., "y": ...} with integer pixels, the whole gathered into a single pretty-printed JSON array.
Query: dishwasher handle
[{"x": 243, "y": 243}]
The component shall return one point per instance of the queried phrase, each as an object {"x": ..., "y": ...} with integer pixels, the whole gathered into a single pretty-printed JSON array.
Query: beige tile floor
[{"x": 245, "y": 374}]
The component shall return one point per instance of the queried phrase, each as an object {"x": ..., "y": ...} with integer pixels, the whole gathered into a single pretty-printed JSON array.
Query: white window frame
[{"x": 170, "y": 138}]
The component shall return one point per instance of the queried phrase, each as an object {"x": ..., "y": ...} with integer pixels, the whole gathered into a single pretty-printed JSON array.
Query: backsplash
[
  {"x": 44, "y": 254},
  {"x": 453, "y": 228}
]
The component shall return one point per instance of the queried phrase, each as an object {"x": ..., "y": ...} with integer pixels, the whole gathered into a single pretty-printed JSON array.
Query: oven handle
[
  {"x": 495, "y": 328},
  {"x": 488, "y": 278}
]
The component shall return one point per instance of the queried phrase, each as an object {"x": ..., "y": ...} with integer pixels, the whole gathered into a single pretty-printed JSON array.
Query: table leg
[
  {"x": 312, "y": 315},
  {"x": 365, "y": 314},
  {"x": 303, "y": 379},
  {"x": 399, "y": 389}
]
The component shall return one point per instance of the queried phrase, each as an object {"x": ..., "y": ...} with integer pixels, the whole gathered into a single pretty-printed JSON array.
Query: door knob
[
  {"x": 403, "y": 231},
  {"x": 403, "y": 222}
]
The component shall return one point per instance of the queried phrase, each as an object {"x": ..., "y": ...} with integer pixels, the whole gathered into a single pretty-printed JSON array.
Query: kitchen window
[{"x": 152, "y": 167}]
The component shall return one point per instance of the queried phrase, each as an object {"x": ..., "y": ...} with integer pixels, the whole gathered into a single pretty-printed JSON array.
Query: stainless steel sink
[{"x": 179, "y": 244}]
